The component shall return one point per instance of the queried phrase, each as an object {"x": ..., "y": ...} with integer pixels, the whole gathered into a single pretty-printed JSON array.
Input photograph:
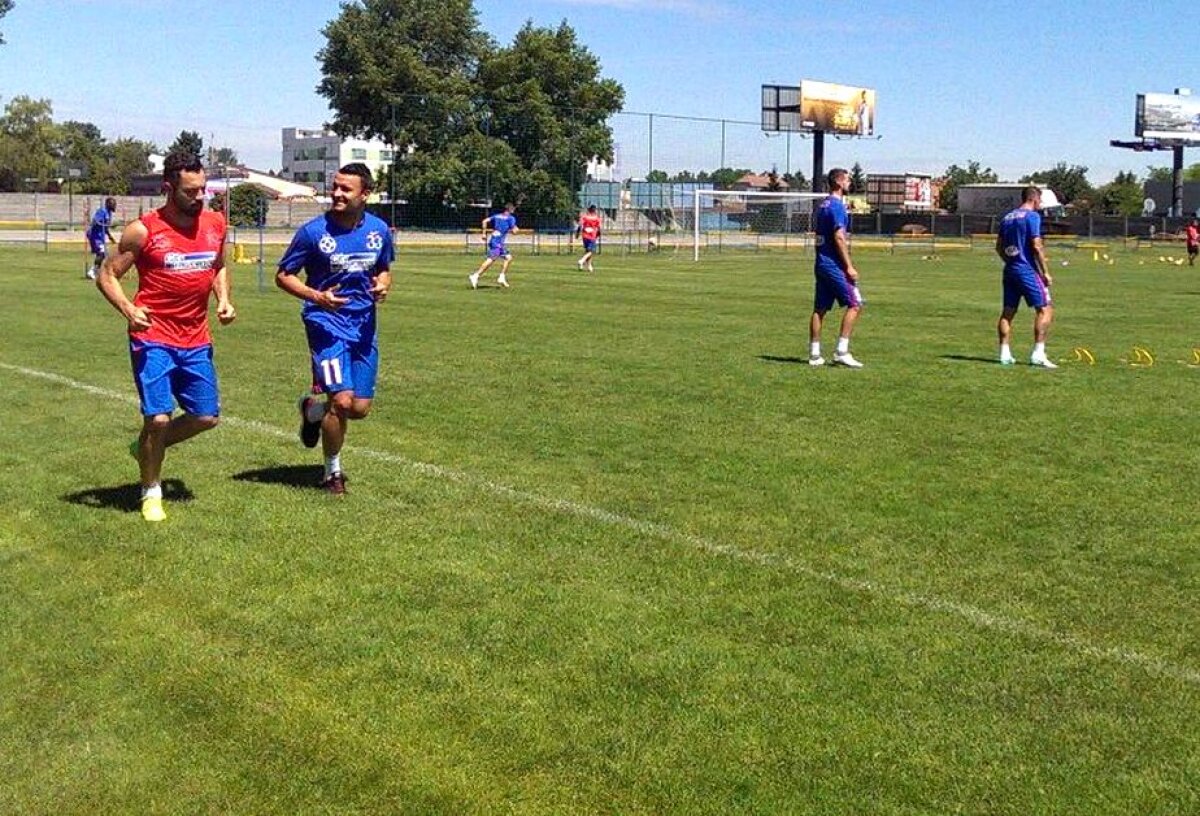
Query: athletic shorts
[
  {"x": 1027, "y": 285},
  {"x": 98, "y": 247},
  {"x": 589, "y": 244},
  {"x": 499, "y": 251},
  {"x": 343, "y": 365},
  {"x": 1193, "y": 249},
  {"x": 832, "y": 286},
  {"x": 165, "y": 375}
]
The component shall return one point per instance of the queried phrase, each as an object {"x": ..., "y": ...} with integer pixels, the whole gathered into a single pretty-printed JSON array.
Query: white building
[{"x": 313, "y": 156}]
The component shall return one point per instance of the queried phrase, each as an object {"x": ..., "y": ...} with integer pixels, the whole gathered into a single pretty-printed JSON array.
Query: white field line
[{"x": 973, "y": 615}]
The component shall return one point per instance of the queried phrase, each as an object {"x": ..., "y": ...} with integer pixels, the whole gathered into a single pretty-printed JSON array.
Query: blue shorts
[
  {"x": 339, "y": 364},
  {"x": 498, "y": 251},
  {"x": 1027, "y": 285},
  {"x": 165, "y": 375},
  {"x": 832, "y": 286},
  {"x": 589, "y": 244},
  {"x": 98, "y": 247}
]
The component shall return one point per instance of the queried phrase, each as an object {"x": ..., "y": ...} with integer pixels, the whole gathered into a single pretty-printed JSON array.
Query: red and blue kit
[{"x": 589, "y": 230}]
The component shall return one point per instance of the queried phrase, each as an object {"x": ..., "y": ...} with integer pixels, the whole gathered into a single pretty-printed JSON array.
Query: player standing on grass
[
  {"x": 1026, "y": 275},
  {"x": 346, "y": 255},
  {"x": 496, "y": 229},
  {"x": 1193, "y": 241},
  {"x": 178, "y": 250},
  {"x": 836, "y": 277},
  {"x": 589, "y": 230},
  {"x": 98, "y": 233}
]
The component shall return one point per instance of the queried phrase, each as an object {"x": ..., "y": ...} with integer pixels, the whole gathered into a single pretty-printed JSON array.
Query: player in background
[
  {"x": 1193, "y": 241},
  {"x": 98, "y": 233},
  {"x": 589, "y": 230},
  {"x": 496, "y": 229},
  {"x": 346, "y": 255},
  {"x": 836, "y": 277},
  {"x": 1026, "y": 275},
  {"x": 178, "y": 250}
]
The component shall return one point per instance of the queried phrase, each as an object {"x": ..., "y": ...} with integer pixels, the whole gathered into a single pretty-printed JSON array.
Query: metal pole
[
  {"x": 650, "y": 163},
  {"x": 722, "y": 143},
  {"x": 1177, "y": 182},
  {"x": 818, "y": 182}
]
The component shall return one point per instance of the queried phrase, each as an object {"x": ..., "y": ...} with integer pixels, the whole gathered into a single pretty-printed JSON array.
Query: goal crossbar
[{"x": 781, "y": 195}]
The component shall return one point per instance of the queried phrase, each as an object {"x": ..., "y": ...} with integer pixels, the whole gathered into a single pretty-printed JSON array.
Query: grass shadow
[
  {"x": 301, "y": 476},
  {"x": 968, "y": 358},
  {"x": 771, "y": 358},
  {"x": 127, "y": 498}
]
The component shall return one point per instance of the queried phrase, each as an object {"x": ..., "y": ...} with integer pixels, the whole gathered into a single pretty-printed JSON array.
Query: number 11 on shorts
[{"x": 331, "y": 371}]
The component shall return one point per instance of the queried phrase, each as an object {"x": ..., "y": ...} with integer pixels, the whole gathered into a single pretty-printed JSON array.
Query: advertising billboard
[
  {"x": 1169, "y": 117},
  {"x": 845, "y": 109},
  {"x": 918, "y": 192}
]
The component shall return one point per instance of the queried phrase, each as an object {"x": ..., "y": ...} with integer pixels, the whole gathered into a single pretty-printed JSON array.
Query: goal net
[{"x": 718, "y": 220}]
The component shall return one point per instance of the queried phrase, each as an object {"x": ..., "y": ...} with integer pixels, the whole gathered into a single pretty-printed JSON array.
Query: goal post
[{"x": 750, "y": 214}]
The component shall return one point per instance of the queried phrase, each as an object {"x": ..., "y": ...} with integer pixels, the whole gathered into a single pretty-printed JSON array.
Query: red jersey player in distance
[
  {"x": 178, "y": 250},
  {"x": 589, "y": 230}
]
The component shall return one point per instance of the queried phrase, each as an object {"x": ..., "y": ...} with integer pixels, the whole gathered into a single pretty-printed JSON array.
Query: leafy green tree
[
  {"x": 684, "y": 177},
  {"x": 248, "y": 205},
  {"x": 858, "y": 179},
  {"x": 955, "y": 177},
  {"x": 189, "y": 141},
  {"x": 725, "y": 177},
  {"x": 5, "y": 8},
  {"x": 796, "y": 182},
  {"x": 658, "y": 176},
  {"x": 30, "y": 143},
  {"x": 1121, "y": 196},
  {"x": 1190, "y": 173},
  {"x": 1069, "y": 183},
  {"x": 222, "y": 156}
]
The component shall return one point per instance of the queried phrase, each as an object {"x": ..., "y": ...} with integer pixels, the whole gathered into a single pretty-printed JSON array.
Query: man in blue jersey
[
  {"x": 496, "y": 229},
  {"x": 98, "y": 233},
  {"x": 346, "y": 255},
  {"x": 836, "y": 277},
  {"x": 1026, "y": 275}
]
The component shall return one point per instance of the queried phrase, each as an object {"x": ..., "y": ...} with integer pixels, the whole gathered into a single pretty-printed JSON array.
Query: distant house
[{"x": 759, "y": 182}]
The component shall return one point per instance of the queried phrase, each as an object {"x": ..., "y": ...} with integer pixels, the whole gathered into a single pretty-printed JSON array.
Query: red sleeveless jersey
[
  {"x": 175, "y": 277},
  {"x": 589, "y": 226}
]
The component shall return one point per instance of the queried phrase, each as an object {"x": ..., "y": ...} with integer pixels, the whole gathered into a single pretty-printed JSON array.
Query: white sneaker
[
  {"x": 816, "y": 361},
  {"x": 591, "y": 268},
  {"x": 1041, "y": 361},
  {"x": 502, "y": 281},
  {"x": 474, "y": 279},
  {"x": 90, "y": 274},
  {"x": 847, "y": 360},
  {"x": 1009, "y": 360},
  {"x": 579, "y": 264}
]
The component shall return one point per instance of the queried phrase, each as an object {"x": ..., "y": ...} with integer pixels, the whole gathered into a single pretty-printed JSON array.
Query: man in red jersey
[
  {"x": 589, "y": 230},
  {"x": 1193, "y": 241},
  {"x": 178, "y": 250}
]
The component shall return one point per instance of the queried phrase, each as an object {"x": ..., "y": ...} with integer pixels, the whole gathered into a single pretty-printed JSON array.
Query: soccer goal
[{"x": 747, "y": 219}]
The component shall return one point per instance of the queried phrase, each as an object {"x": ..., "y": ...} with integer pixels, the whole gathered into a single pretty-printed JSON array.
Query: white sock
[
  {"x": 333, "y": 464},
  {"x": 1005, "y": 350},
  {"x": 1039, "y": 349},
  {"x": 814, "y": 349},
  {"x": 154, "y": 491},
  {"x": 316, "y": 411},
  {"x": 843, "y": 346}
]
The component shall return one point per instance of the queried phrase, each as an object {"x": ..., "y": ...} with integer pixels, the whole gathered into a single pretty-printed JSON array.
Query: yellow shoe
[{"x": 152, "y": 509}]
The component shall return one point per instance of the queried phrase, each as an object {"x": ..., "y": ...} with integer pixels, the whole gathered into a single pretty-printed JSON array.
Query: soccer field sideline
[{"x": 972, "y": 615}]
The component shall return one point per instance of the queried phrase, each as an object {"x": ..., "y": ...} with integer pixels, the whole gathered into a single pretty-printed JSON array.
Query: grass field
[{"x": 612, "y": 547}]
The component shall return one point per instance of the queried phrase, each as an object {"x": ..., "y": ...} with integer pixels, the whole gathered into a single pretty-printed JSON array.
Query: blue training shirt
[
  {"x": 831, "y": 216},
  {"x": 331, "y": 255},
  {"x": 1017, "y": 231},
  {"x": 101, "y": 221},
  {"x": 504, "y": 224}
]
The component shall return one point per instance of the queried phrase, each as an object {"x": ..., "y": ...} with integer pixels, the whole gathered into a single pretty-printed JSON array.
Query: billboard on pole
[
  {"x": 1168, "y": 117},
  {"x": 845, "y": 109}
]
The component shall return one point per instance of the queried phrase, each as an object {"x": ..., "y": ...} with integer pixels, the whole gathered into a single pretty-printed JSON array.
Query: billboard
[
  {"x": 1169, "y": 117},
  {"x": 918, "y": 192},
  {"x": 833, "y": 108}
]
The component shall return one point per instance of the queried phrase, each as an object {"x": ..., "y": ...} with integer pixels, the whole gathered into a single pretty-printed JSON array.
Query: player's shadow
[
  {"x": 127, "y": 498},
  {"x": 771, "y": 358},
  {"x": 301, "y": 476},
  {"x": 970, "y": 358}
]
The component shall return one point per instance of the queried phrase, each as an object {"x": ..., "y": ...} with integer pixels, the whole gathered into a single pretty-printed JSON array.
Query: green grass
[{"x": 612, "y": 547}]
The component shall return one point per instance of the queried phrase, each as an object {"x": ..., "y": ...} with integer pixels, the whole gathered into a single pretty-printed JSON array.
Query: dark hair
[
  {"x": 361, "y": 170},
  {"x": 179, "y": 161},
  {"x": 836, "y": 173},
  {"x": 591, "y": 207},
  {"x": 1030, "y": 193},
  {"x": 110, "y": 203}
]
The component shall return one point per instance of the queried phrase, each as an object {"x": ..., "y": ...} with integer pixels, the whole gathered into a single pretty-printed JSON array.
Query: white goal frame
[{"x": 718, "y": 194}]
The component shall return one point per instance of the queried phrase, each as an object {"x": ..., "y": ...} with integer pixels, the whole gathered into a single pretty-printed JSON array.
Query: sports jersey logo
[
  {"x": 189, "y": 261},
  {"x": 352, "y": 262},
  {"x": 374, "y": 240},
  {"x": 1012, "y": 251},
  {"x": 327, "y": 244}
]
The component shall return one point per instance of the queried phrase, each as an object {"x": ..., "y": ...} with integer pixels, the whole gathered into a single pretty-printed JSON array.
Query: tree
[
  {"x": 1167, "y": 174},
  {"x": 222, "y": 156},
  {"x": 1121, "y": 196},
  {"x": 725, "y": 177},
  {"x": 796, "y": 181},
  {"x": 659, "y": 176},
  {"x": 858, "y": 179},
  {"x": 955, "y": 177},
  {"x": 188, "y": 141},
  {"x": 248, "y": 205},
  {"x": 5, "y": 8},
  {"x": 1068, "y": 183},
  {"x": 30, "y": 143}
]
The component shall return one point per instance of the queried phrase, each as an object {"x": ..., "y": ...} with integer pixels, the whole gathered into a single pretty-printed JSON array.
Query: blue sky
[{"x": 1017, "y": 86}]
